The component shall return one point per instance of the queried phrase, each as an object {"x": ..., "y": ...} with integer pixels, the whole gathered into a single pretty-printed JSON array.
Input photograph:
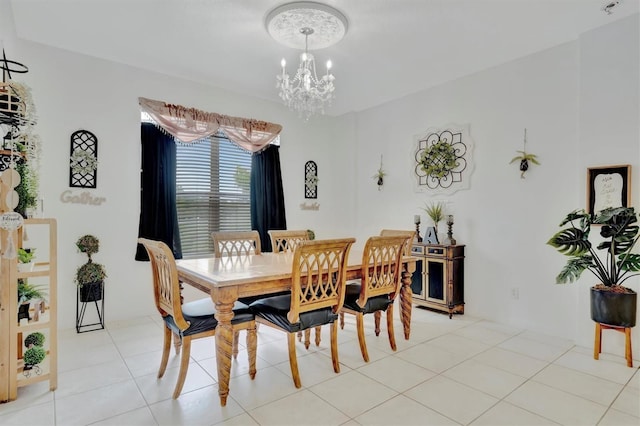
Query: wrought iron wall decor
[
  {"x": 310, "y": 179},
  {"x": 83, "y": 163},
  {"x": 442, "y": 159}
]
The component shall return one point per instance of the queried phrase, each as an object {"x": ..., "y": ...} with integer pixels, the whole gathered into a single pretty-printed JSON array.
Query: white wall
[{"x": 503, "y": 220}]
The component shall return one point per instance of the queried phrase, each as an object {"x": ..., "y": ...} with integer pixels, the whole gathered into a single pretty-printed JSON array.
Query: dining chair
[
  {"x": 233, "y": 243},
  {"x": 409, "y": 235},
  {"x": 189, "y": 321},
  {"x": 317, "y": 292},
  {"x": 286, "y": 241},
  {"x": 379, "y": 286}
]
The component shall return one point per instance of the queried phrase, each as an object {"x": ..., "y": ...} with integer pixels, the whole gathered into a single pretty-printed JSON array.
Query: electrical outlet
[{"x": 515, "y": 293}]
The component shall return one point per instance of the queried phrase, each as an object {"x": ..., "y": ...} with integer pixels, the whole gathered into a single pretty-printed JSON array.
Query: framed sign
[{"x": 608, "y": 186}]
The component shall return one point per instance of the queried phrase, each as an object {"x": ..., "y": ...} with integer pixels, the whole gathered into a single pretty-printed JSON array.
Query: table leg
[
  {"x": 405, "y": 298},
  {"x": 224, "y": 299}
]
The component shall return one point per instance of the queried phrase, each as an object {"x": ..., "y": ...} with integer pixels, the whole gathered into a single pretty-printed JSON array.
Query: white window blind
[{"x": 212, "y": 192}]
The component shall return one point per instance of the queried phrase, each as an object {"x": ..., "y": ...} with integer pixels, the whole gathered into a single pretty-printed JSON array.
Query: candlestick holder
[
  {"x": 416, "y": 220},
  {"x": 450, "y": 240}
]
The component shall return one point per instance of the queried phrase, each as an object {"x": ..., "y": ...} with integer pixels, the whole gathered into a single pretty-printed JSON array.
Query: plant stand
[
  {"x": 597, "y": 347},
  {"x": 81, "y": 310}
]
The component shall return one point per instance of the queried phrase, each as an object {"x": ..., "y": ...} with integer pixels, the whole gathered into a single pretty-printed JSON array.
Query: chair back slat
[
  {"x": 286, "y": 241},
  {"x": 409, "y": 235},
  {"x": 166, "y": 287},
  {"x": 236, "y": 243},
  {"x": 381, "y": 267},
  {"x": 319, "y": 276}
]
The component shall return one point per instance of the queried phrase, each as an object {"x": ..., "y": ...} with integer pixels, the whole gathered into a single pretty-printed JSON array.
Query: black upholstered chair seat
[
  {"x": 200, "y": 315},
  {"x": 377, "y": 303},
  {"x": 275, "y": 309}
]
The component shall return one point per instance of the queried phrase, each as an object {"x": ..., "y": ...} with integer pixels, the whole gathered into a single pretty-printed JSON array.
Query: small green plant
[
  {"x": 435, "y": 211},
  {"x": 28, "y": 291},
  {"x": 34, "y": 355},
  {"x": 312, "y": 235},
  {"x": 34, "y": 339},
  {"x": 25, "y": 255}
]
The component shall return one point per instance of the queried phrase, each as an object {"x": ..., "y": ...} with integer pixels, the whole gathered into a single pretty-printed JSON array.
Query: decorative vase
[
  {"x": 91, "y": 292},
  {"x": 613, "y": 308}
]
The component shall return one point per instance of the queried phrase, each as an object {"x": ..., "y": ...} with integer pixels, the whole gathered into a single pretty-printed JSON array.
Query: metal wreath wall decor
[{"x": 441, "y": 161}]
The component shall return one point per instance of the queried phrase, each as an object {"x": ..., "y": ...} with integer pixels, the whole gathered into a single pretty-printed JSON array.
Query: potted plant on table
[
  {"x": 435, "y": 211},
  {"x": 611, "y": 302},
  {"x": 90, "y": 276}
]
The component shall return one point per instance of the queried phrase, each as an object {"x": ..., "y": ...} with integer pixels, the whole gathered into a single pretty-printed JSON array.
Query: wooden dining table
[{"x": 228, "y": 278}]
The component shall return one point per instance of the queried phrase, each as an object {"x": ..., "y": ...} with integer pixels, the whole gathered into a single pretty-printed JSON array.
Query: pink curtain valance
[{"x": 190, "y": 124}]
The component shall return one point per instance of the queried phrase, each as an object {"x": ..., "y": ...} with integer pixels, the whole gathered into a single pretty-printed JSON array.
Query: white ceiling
[{"x": 392, "y": 47}]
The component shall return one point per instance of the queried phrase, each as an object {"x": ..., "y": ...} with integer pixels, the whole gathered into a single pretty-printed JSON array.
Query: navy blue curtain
[
  {"x": 158, "y": 214},
  {"x": 267, "y": 197}
]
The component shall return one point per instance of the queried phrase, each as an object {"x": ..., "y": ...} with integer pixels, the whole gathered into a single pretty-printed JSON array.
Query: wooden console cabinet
[{"x": 438, "y": 282}]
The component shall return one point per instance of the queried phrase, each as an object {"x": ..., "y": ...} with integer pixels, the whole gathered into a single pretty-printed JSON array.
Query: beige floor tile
[
  {"x": 431, "y": 357},
  {"x": 241, "y": 420},
  {"x": 353, "y": 393},
  {"x": 269, "y": 385},
  {"x": 505, "y": 414},
  {"x": 155, "y": 389},
  {"x": 41, "y": 414},
  {"x": 618, "y": 418},
  {"x": 98, "y": 404},
  {"x": 480, "y": 333},
  {"x": 485, "y": 378},
  {"x": 580, "y": 384},
  {"x": 401, "y": 410},
  {"x": 200, "y": 407},
  {"x": 606, "y": 369},
  {"x": 533, "y": 348},
  {"x": 452, "y": 399},
  {"x": 460, "y": 345},
  {"x": 140, "y": 416},
  {"x": 628, "y": 402},
  {"x": 28, "y": 396},
  {"x": 300, "y": 408},
  {"x": 313, "y": 368},
  {"x": 510, "y": 361},
  {"x": 88, "y": 378},
  {"x": 396, "y": 373},
  {"x": 556, "y": 405}
]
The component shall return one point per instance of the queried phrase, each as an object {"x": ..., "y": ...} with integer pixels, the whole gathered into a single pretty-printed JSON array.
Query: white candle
[{"x": 24, "y": 322}]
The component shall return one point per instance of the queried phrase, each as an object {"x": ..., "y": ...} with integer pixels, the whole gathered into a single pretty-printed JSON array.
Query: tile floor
[{"x": 463, "y": 371}]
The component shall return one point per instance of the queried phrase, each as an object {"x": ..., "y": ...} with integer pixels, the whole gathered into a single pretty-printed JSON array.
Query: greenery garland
[
  {"x": 438, "y": 159},
  {"x": 83, "y": 162}
]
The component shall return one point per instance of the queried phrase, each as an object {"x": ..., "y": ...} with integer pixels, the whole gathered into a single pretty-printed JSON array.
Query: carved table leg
[
  {"x": 224, "y": 299},
  {"x": 405, "y": 298}
]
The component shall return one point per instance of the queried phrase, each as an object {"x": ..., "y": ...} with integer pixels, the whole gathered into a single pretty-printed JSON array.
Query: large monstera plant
[{"x": 616, "y": 264}]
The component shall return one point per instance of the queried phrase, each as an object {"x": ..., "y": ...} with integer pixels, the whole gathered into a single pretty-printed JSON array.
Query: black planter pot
[
  {"x": 611, "y": 308},
  {"x": 91, "y": 292},
  {"x": 23, "y": 311}
]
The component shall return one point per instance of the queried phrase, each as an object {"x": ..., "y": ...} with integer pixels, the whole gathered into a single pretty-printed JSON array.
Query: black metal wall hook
[{"x": 7, "y": 69}]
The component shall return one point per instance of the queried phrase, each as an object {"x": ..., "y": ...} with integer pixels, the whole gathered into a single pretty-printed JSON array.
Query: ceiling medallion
[{"x": 306, "y": 25}]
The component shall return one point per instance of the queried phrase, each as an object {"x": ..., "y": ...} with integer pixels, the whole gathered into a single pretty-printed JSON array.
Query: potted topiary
[
  {"x": 611, "y": 302},
  {"x": 34, "y": 339},
  {"x": 90, "y": 276},
  {"x": 35, "y": 352}
]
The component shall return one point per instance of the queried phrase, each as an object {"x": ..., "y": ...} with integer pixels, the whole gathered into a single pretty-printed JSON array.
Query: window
[{"x": 212, "y": 192}]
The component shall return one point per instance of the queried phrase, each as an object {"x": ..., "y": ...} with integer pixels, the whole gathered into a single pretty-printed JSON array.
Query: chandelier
[{"x": 292, "y": 24}]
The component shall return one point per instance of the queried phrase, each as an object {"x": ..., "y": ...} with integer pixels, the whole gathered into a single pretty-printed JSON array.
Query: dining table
[{"x": 226, "y": 279}]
